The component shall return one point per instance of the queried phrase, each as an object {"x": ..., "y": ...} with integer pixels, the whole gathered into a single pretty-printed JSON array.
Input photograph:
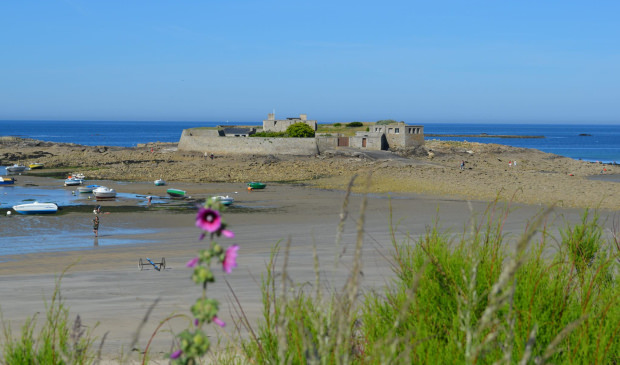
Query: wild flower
[
  {"x": 194, "y": 344},
  {"x": 230, "y": 259}
]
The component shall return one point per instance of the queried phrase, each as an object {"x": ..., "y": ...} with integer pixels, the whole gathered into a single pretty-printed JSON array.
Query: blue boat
[{"x": 7, "y": 180}]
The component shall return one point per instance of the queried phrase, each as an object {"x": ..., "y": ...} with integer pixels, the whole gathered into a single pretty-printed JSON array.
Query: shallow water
[{"x": 22, "y": 234}]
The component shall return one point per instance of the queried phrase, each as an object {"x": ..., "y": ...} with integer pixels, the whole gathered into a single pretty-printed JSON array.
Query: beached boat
[
  {"x": 16, "y": 168},
  {"x": 224, "y": 200},
  {"x": 87, "y": 189},
  {"x": 176, "y": 193},
  {"x": 257, "y": 185},
  {"x": 35, "y": 165},
  {"x": 160, "y": 182},
  {"x": 73, "y": 181},
  {"x": 36, "y": 208},
  {"x": 103, "y": 193},
  {"x": 6, "y": 180}
]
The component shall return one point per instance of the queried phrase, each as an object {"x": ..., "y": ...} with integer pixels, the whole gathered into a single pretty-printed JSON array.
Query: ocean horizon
[{"x": 597, "y": 143}]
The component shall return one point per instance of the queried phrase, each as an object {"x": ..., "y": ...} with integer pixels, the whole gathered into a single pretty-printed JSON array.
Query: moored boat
[
  {"x": 16, "y": 168},
  {"x": 103, "y": 193},
  {"x": 73, "y": 181},
  {"x": 87, "y": 189},
  {"x": 224, "y": 200},
  {"x": 35, "y": 165},
  {"x": 6, "y": 180},
  {"x": 36, "y": 208},
  {"x": 257, "y": 185},
  {"x": 176, "y": 193},
  {"x": 160, "y": 182}
]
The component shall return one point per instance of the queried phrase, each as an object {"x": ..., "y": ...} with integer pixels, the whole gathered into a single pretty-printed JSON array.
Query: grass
[
  {"x": 469, "y": 299},
  {"x": 56, "y": 341}
]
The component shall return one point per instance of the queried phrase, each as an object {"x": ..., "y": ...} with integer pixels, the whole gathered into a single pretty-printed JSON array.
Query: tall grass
[
  {"x": 475, "y": 298},
  {"x": 56, "y": 341}
]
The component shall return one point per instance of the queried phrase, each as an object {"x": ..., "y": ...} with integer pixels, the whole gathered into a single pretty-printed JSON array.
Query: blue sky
[{"x": 337, "y": 61}]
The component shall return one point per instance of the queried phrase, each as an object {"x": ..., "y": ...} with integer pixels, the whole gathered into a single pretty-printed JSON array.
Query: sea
[
  {"x": 590, "y": 142},
  {"x": 28, "y": 234}
]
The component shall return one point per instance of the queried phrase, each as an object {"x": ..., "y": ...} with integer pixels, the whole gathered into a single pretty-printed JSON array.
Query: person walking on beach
[
  {"x": 462, "y": 164},
  {"x": 96, "y": 226}
]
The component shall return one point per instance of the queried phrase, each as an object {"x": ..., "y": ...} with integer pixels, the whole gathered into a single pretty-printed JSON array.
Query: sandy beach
[{"x": 105, "y": 284}]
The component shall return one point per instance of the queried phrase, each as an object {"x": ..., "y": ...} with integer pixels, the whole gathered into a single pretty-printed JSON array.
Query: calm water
[{"x": 603, "y": 144}]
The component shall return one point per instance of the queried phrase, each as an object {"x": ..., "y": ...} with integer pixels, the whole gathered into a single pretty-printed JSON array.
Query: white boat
[
  {"x": 16, "y": 168},
  {"x": 36, "y": 208},
  {"x": 224, "y": 200},
  {"x": 87, "y": 189},
  {"x": 73, "y": 181},
  {"x": 103, "y": 192},
  {"x": 160, "y": 182}
]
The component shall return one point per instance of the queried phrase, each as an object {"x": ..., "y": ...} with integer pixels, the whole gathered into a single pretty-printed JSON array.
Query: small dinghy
[
  {"x": 160, "y": 182},
  {"x": 176, "y": 193},
  {"x": 224, "y": 200},
  {"x": 87, "y": 189},
  {"x": 104, "y": 193},
  {"x": 36, "y": 208}
]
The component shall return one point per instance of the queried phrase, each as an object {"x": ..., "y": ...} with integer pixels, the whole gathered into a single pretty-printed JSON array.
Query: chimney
[
  {"x": 271, "y": 116},
  {"x": 303, "y": 116}
]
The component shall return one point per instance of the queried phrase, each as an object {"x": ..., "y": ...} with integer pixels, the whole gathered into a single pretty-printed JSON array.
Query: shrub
[
  {"x": 355, "y": 124},
  {"x": 386, "y": 121},
  {"x": 300, "y": 130},
  {"x": 337, "y": 124}
]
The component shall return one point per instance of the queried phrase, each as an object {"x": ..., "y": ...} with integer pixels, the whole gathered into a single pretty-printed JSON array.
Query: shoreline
[
  {"x": 105, "y": 284},
  {"x": 302, "y": 202}
]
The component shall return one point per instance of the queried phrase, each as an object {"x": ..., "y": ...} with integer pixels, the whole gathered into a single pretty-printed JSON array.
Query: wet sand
[{"x": 105, "y": 283}]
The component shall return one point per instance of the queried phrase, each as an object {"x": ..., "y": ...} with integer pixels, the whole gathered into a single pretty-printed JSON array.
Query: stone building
[
  {"x": 280, "y": 125},
  {"x": 383, "y": 137}
]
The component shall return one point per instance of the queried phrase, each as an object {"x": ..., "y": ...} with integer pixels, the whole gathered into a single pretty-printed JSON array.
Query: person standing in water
[{"x": 96, "y": 226}]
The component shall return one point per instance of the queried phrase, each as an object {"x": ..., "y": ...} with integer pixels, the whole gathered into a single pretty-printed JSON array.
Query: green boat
[
  {"x": 176, "y": 193},
  {"x": 257, "y": 185}
]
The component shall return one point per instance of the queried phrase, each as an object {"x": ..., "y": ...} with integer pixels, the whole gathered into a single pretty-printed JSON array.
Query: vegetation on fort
[
  {"x": 339, "y": 128},
  {"x": 296, "y": 130},
  {"x": 300, "y": 130},
  {"x": 386, "y": 121}
]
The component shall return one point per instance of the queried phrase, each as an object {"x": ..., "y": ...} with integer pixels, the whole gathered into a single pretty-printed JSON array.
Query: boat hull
[
  {"x": 159, "y": 182},
  {"x": 36, "y": 208},
  {"x": 87, "y": 189},
  {"x": 34, "y": 166},
  {"x": 15, "y": 168},
  {"x": 7, "y": 181},
  {"x": 176, "y": 193},
  {"x": 104, "y": 193},
  {"x": 257, "y": 185},
  {"x": 224, "y": 200}
]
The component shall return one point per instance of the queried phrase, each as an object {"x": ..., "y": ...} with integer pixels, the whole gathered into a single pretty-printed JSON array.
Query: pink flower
[
  {"x": 176, "y": 354},
  {"x": 219, "y": 322},
  {"x": 208, "y": 220},
  {"x": 227, "y": 233},
  {"x": 196, "y": 322},
  {"x": 230, "y": 259},
  {"x": 193, "y": 262}
]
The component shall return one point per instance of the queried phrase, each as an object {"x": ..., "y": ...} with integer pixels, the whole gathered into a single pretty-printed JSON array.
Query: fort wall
[{"x": 204, "y": 140}]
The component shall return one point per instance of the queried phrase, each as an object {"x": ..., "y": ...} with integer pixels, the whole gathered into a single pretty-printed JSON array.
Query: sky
[{"x": 336, "y": 61}]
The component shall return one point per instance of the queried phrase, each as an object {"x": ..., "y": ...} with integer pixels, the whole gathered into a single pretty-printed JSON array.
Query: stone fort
[{"x": 237, "y": 140}]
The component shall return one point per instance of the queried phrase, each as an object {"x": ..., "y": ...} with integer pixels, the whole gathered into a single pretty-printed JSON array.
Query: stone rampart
[{"x": 203, "y": 140}]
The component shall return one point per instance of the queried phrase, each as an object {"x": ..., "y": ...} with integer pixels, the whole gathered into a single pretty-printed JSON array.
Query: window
[{"x": 396, "y": 130}]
